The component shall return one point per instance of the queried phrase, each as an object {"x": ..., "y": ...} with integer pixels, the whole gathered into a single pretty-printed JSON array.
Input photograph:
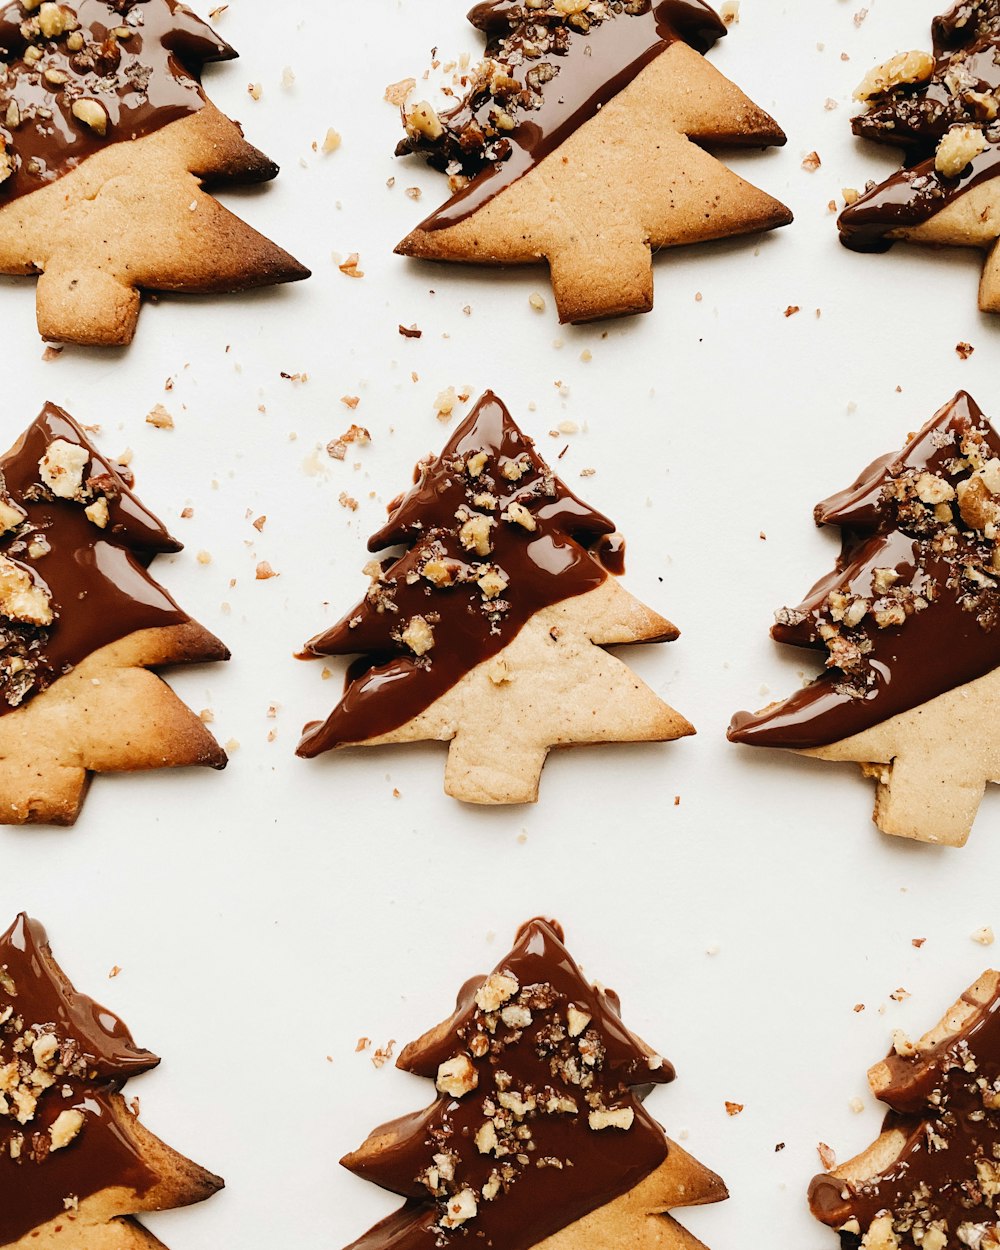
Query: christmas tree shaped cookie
[
  {"x": 81, "y": 620},
  {"x": 576, "y": 143},
  {"x": 75, "y": 1162},
  {"x": 941, "y": 108},
  {"x": 488, "y": 631},
  {"x": 538, "y": 1136},
  {"x": 910, "y": 623},
  {"x": 932, "y": 1179},
  {"x": 106, "y": 138}
]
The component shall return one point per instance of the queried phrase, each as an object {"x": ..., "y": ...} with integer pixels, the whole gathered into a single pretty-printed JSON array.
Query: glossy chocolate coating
[
  {"x": 591, "y": 69},
  {"x": 100, "y": 589},
  {"x": 143, "y": 82},
  {"x": 935, "y": 1175},
  {"x": 571, "y": 550},
  {"x": 949, "y": 643},
  {"x": 104, "y": 1057},
  {"x": 916, "y": 117},
  {"x": 536, "y": 1201}
]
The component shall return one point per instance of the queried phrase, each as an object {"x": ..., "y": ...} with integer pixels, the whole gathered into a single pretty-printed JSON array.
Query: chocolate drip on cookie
[
  {"x": 62, "y": 1059},
  {"x": 77, "y": 76},
  {"x": 75, "y": 546},
  {"x": 539, "y": 1119},
  {"x": 942, "y": 109},
  {"x": 492, "y": 537},
  {"x": 943, "y": 1186},
  {"x": 912, "y": 609},
  {"x": 547, "y": 71}
]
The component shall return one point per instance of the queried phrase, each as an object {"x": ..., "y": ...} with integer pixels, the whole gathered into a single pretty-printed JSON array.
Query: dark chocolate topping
[
  {"x": 45, "y": 1084},
  {"x": 947, "y": 1106},
  {"x": 94, "y": 578},
  {"x": 550, "y": 74},
  {"x": 493, "y": 537},
  {"x": 912, "y": 609},
  {"x": 964, "y": 89},
  {"x": 136, "y": 63},
  {"x": 542, "y": 1057}
]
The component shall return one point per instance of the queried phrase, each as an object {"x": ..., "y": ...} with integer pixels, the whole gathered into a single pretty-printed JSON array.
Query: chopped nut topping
[
  {"x": 418, "y": 635},
  {"x": 905, "y": 67},
  {"x": 457, "y": 1076},
  {"x": 66, "y": 1128},
  {"x": 496, "y": 990},
  {"x": 620, "y": 1118},
  {"x": 61, "y": 468},
  {"x": 959, "y": 146},
  {"x": 21, "y": 597}
]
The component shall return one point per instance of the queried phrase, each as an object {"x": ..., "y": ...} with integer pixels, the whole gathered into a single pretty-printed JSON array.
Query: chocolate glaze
[
  {"x": 143, "y": 82},
  {"x": 934, "y": 1177},
  {"x": 536, "y": 1201},
  {"x": 917, "y": 116},
  {"x": 99, "y": 1056},
  {"x": 97, "y": 578},
  {"x": 571, "y": 551},
  {"x": 590, "y": 69},
  {"x": 952, "y": 641}
]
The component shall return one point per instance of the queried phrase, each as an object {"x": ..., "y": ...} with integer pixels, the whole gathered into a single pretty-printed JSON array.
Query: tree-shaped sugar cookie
[
  {"x": 576, "y": 143},
  {"x": 488, "y": 632},
  {"x": 932, "y": 1179},
  {"x": 941, "y": 108},
  {"x": 538, "y": 1136},
  {"x": 106, "y": 139},
  {"x": 910, "y": 623},
  {"x": 75, "y": 1161},
  {"x": 81, "y": 622}
]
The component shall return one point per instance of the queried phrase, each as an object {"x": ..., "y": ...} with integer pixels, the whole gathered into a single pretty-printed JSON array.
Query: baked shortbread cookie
[
  {"x": 943, "y": 109},
  {"x": 106, "y": 140},
  {"x": 81, "y": 620},
  {"x": 910, "y": 622},
  {"x": 488, "y": 631},
  {"x": 538, "y": 1137},
  {"x": 576, "y": 143},
  {"x": 75, "y": 1162},
  {"x": 932, "y": 1179}
]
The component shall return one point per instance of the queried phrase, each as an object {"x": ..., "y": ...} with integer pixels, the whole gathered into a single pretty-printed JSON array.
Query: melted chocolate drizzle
[
  {"x": 97, "y": 579},
  {"x": 945, "y": 1103},
  {"x": 142, "y": 82},
  {"x": 569, "y": 550},
  {"x": 917, "y": 116},
  {"x": 952, "y": 640},
  {"x": 588, "y": 68},
  {"x": 96, "y": 1057},
  {"x": 541, "y": 1063}
]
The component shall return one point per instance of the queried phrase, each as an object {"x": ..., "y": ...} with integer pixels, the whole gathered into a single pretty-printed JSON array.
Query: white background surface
[{"x": 267, "y": 917}]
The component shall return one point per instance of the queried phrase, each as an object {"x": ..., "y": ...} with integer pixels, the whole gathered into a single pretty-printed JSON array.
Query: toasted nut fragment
[
  {"x": 6, "y": 165},
  {"x": 460, "y": 1208},
  {"x": 959, "y": 146},
  {"x": 418, "y": 635},
  {"x": 475, "y": 535},
  {"x": 620, "y": 1117},
  {"x": 904, "y": 67},
  {"x": 65, "y": 1129},
  {"x": 21, "y": 599},
  {"x": 568, "y": 7},
  {"x": 457, "y": 1076},
  {"x": 492, "y": 583},
  {"x": 44, "y": 1049},
  {"x": 936, "y": 1237},
  {"x": 11, "y": 515},
  {"x": 902, "y": 1045},
  {"x": 486, "y": 1139},
  {"x": 880, "y": 1235},
  {"x": 933, "y": 489},
  {"x": 475, "y": 464},
  {"x": 499, "y": 671},
  {"x": 62, "y": 466},
  {"x": 441, "y": 572},
  {"x": 92, "y": 114},
  {"x": 97, "y": 512},
  {"x": 519, "y": 515},
  {"x": 883, "y": 580},
  {"x": 423, "y": 120},
  {"x": 984, "y": 936},
  {"x": 516, "y": 1017},
  {"x": 576, "y": 1020},
  {"x": 497, "y": 989}
]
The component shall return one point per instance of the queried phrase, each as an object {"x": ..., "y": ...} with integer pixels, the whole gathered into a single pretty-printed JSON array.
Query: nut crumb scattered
[
  {"x": 265, "y": 572},
  {"x": 811, "y": 162},
  {"x": 160, "y": 418}
]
